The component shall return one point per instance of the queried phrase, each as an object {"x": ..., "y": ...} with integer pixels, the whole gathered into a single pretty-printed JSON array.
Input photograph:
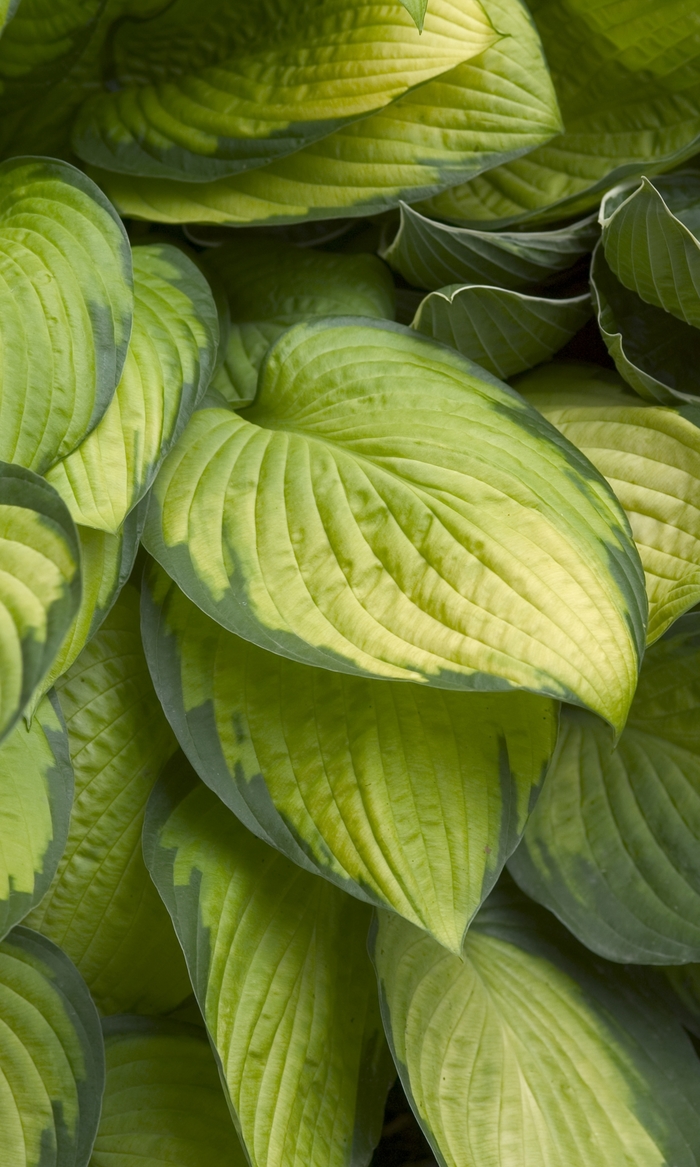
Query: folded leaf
[
  {"x": 430, "y": 254},
  {"x": 102, "y": 907},
  {"x": 168, "y": 367},
  {"x": 65, "y": 309},
  {"x": 40, "y": 585},
  {"x": 271, "y": 284},
  {"x": 51, "y": 1056},
  {"x": 650, "y": 455},
  {"x": 387, "y": 508},
  {"x": 496, "y": 106},
  {"x": 163, "y": 1100},
  {"x": 626, "y": 76},
  {"x": 280, "y": 969},
  {"x": 407, "y": 797},
  {"x": 526, "y": 1051},
  {"x": 503, "y": 331},
  {"x": 36, "y": 792}
]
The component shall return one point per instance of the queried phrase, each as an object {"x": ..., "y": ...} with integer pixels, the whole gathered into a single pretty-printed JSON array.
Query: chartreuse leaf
[
  {"x": 528, "y": 1051},
  {"x": 65, "y": 309},
  {"x": 51, "y": 1056},
  {"x": 613, "y": 844},
  {"x": 40, "y": 585},
  {"x": 499, "y": 104},
  {"x": 503, "y": 331},
  {"x": 431, "y": 255},
  {"x": 627, "y": 81},
  {"x": 279, "y": 965},
  {"x": 36, "y": 792},
  {"x": 169, "y": 364},
  {"x": 387, "y": 508},
  {"x": 102, "y": 907},
  {"x": 650, "y": 455},
  {"x": 405, "y": 796},
  {"x": 271, "y": 285},
  {"x": 163, "y": 1099}
]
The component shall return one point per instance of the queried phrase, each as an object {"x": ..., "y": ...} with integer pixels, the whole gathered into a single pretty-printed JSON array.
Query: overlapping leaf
[
  {"x": 503, "y": 331},
  {"x": 408, "y": 797},
  {"x": 613, "y": 845},
  {"x": 51, "y": 1056},
  {"x": 163, "y": 1100},
  {"x": 527, "y": 1052},
  {"x": 279, "y": 965},
  {"x": 338, "y": 522},
  {"x": 271, "y": 284},
  {"x": 102, "y": 907},
  {"x": 168, "y": 367}
]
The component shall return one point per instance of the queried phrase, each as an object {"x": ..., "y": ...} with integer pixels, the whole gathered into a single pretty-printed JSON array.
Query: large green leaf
[
  {"x": 626, "y": 75},
  {"x": 40, "y": 585},
  {"x": 528, "y": 1052},
  {"x": 168, "y": 367},
  {"x": 340, "y": 522},
  {"x": 430, "y": 254},
  {"x": 613, "y": 843},
  {"x": 271, "y": 284},
  {"x": 407, "y": 797},
  {"x": 307, "y": 70},
  {"x": 65, "y": 309},
  {"x": 102, "y": 907},
  {"x": 280, "y": 969},
  {"x": 650, "y": 455},
  {"x": 163, "y": 1100},
  {"x": 36, "y": 792},
  {"x": 503, "y": 331},
  {"x": 496, "y": 106},
  {"x": 51, "y": 1056}
]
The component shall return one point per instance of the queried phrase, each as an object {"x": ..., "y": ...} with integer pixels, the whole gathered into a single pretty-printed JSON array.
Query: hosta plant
[{"x": 349, "y": 583}]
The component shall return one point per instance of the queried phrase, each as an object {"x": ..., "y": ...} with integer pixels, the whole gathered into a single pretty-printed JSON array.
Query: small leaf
[
  {"x": 526, "y": 1051},
  {"x": 279, "y": 965},
  {"x": 416, "y": 10}
]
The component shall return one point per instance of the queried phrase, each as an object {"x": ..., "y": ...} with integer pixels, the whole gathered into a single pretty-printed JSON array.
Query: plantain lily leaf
[
  {"x": 498, "y": 105},
  {"x": 102, "y": 907},
  {"x": 40, "y": 585},
  {"x": 51, "y": 1056},
  {"x": 8, "y": 9},
  {"x": 503, "y": 331},
  {"x": 337, "y": 771},
  {"x": 65, "y": 309},
  {"x": 527, "y": 1051},
  {"x": 337, "y": 522},
  {"x": 36, "y": 792},
  {"x": 169, "y": 364},
  {"x": 163, "y": 1100},
  {"x": 627, "y": 81},
  {"x": 430, "y": 254},
  {"x": 612, "y": 847},
  {"x": 279, "y": 966},
  {"x": 650, "y": 455},
  {"x": 417, "y": 10},
  {"x": 684, "y": 982},
  {"x": 271, "y": 285}
]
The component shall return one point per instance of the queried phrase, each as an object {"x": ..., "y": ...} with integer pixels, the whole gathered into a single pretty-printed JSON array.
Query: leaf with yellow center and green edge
[
  {"x": 271, "y": 284},
  {"x": 51, "y": 1056},
  {"x": 102, "y": 907},
  {"x": 387, "y": 508},
  {"x": 498, "y": 105},
  {"x": 405, "y": 796},
  {"x": 528, "y": 1050},
  {"x": 613, "y": 844},
  {"x": 163, "y": 1099},
  {"x": 279, "y": 965},
  {"x": 650, "y": 455},
  {"x": 626, "y": 76},
  {"x": 40, "y": 585},
  {"x": 168, "y": 367}
]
